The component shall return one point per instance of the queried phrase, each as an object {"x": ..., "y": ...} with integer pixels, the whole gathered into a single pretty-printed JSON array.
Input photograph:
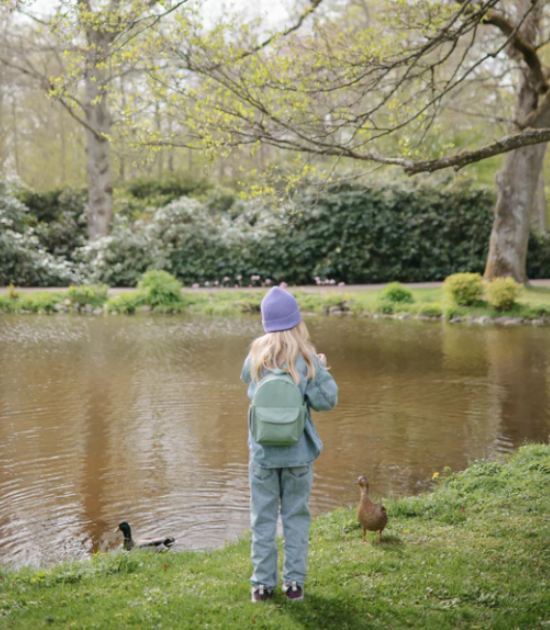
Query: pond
[{"x": 144, "y": 419}]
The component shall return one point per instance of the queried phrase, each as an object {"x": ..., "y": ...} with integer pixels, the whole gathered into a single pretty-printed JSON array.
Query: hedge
[{"x": 354, "y": 234}]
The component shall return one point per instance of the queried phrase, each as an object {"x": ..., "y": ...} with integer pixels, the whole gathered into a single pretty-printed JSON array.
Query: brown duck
[{"x": 372, "y": 516}]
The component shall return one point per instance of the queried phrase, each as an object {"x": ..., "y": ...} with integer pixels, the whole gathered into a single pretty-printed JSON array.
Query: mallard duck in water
[
  {"x": 371, "y": 516},
  {"x": 152, "y": 544}
]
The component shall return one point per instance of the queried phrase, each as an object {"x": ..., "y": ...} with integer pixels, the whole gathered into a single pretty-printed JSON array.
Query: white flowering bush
[
  {"x": 23, "y": 261},
  {"x": 198, "y": 244},
  {"x": 121, "y": 258}
]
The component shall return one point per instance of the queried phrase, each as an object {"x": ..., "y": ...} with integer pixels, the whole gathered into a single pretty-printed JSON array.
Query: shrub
[
  {"x": 396, "y": 293},
  {"x": 126, "y": 303},
  {"x": 121, "y": 258},
  {"x": 198, "y": 245},
  {"x": 160, "y": 290},
  {"x": 23, "y": 261},
  {"x": 465, "y": 289},
  {"x": 430, "y": 309},
  {"x": 167, "y": 188},
  {"x": 95, "y": 295},
  {"x": 58, "y": 218},
  {"x": 350, "y": 233},
  {"x": 363, "y": 234},
  {"x": 501, "y": 293},
  {"x": 538, "y": 256}
]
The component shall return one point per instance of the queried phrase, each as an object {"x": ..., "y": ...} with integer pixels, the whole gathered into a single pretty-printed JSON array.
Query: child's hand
[{"x": 322, "y": 358}]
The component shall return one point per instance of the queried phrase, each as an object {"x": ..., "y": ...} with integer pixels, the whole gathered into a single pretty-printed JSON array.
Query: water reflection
[{"x": 144, "y": 419}]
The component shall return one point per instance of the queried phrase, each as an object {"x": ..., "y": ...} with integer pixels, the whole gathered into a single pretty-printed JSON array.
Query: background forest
[{"x": 220, "y": 142}]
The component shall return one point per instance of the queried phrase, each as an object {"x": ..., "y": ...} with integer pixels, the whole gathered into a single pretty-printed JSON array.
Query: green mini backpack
[{"x": 277, "y": 414}]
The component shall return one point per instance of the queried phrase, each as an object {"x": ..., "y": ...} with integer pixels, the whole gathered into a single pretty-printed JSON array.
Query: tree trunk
[
  {"x": 158, "y": 125},
  {"x": 171, "y": 149},
  {"x": 518, "y": 179},
  {"x": 98, "y": 163},
  {"x": 539, "y": 221},
  {"x": 15, "y": 134},
  {"x": 63, "y": 157},
  {"x": 517, "y": 183},
  {"x": 122, "y": 153}
]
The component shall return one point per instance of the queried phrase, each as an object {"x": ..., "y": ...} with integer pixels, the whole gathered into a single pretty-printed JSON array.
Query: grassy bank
[
  {"x": 472, "y": 554},
  {"x": 532, "y": 305}
]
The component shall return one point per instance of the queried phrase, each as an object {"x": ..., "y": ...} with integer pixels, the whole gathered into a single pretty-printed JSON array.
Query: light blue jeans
[{"x": 290, "y": 487}]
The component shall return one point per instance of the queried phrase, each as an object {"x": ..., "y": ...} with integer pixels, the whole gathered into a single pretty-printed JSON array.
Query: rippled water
[{"x": 144, "y": 419}]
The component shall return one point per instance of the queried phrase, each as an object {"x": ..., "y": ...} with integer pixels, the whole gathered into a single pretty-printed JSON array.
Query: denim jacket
[{"x": 320, "y": 394}]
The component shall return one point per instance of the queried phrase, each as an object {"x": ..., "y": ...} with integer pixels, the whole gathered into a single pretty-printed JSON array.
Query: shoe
[
  {"x": 260, "y": 593},
  {"x": 293, "y": 592}
]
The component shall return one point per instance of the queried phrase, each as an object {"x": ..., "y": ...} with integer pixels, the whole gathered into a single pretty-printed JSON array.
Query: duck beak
[{"x": 117, "y": 529}]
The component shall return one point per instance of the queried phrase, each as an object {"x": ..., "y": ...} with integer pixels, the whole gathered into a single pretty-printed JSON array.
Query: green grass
[
  {"x": 533, "y": 303},
  {"x": 35, "y": 302},
  {"x": 473, "y": 554}
]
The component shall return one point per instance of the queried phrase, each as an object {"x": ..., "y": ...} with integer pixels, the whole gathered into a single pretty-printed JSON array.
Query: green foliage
[
  {"x": 385, "y": 307},
  {"x": 23, "y": 260},
  {"x": 501, "y": 293},
  {"x": 35, "y": 302},
  {"x": 166, "y": 188},
  {"x": 430, "y": 309},
  {"x": 536, "y": 311},
  {"x": 94, "y": 295},
  {"x": 197, "y": 245},
  {"x": 363, "y": 234},
  {"x": 351, "y": 234},
  {"x": 396, "y": 293},
  {"x": 465, "y": 289},
  {"x": 121, "y": 258},
  {"x": 59, "y": 219},
  {"x": 356, "y": 234},
  {"x": 126, "y": 303},
  {"x": 160, "y": 290},
  {"x": 538, "y": 256}
]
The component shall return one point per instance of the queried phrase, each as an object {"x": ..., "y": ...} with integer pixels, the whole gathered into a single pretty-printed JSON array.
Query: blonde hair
[{"x": 274, "y": 349}]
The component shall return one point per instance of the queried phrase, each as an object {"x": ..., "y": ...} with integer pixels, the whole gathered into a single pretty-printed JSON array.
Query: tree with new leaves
[
  {"x": 388, "y": 92},
  {"x": 90, "y": 43}
]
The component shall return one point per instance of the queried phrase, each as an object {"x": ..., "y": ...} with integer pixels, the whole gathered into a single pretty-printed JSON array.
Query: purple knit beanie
[{"x": 280, "y": 310}]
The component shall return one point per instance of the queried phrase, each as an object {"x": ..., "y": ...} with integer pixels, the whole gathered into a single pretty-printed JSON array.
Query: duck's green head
[{"x": 125, "y": 529}]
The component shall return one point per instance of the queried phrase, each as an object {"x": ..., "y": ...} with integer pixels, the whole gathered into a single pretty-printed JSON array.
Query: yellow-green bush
[
  {"x": 464, "y": 289},
  {"x": 95, "y": 295},
  {"x": 501, "y": 293}
]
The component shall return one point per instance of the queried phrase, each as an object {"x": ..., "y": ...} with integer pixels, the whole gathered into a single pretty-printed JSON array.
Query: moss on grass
[{"x": 472, "y": 554}]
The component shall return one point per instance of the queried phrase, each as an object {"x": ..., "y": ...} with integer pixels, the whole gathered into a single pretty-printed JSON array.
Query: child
[{"x": 284, "y": 473}]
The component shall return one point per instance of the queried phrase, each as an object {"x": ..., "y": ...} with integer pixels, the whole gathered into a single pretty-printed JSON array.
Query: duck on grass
[
  {"x": 371, "y": 516},
  {"x": 473, "y": 553}
]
